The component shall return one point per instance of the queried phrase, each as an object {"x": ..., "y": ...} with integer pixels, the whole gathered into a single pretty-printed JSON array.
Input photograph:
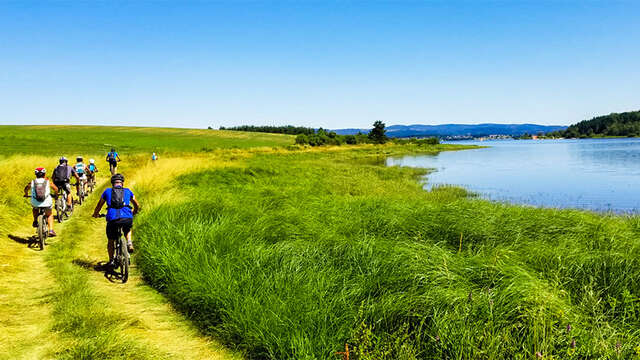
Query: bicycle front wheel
[
  {"x": 42, "y": 230},
  {"x": 60, "y": 208},
  {"x": 124, "y": 260}
]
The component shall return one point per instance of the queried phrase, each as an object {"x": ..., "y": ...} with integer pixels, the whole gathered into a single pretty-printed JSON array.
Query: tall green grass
[{"x": 295, "y": 255}]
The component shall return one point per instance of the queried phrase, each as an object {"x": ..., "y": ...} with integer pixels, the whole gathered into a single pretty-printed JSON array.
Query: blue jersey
[
  {"x": 115, "y": 214},
  {"x": 112, "y": 156}
]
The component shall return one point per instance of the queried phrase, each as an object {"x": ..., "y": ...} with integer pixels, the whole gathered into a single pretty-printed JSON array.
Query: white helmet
[{"x": 91, "y": 161}]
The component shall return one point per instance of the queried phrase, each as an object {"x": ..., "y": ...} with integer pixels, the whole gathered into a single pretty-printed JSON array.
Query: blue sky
[{"x": 332, "y": 64}]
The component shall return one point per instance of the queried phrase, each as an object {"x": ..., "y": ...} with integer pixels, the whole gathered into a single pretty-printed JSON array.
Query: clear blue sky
[{"x": 331, "y": 64}]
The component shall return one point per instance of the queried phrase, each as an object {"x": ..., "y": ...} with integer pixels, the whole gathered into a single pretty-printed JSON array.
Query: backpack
[
  {"x": 111, "y": 157},
  {"x": 117, "y": 198},
  {"x": 40, "y": 190},
  {"x": 61, "y": 173}
]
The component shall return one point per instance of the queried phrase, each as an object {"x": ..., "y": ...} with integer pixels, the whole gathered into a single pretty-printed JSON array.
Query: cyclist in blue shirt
[
  {"x": 119, "y": 213},
  {"x": 92, "y": 169},
  {"x": 112, "y": 159},
  {"x": 81, "y": 170}
]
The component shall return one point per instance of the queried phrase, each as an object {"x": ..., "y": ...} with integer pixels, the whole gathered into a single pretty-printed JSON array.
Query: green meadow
[
  {"x": 51, "y": 140},
  {"x": 286, "y": 252}
]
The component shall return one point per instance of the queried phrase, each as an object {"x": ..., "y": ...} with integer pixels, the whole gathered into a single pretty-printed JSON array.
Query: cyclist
[
  {"x": 113, "y": 158},
  {"x": 81, "y": 170},
  {"x": 41, "y": 189},
  {"x": 154, "y": 157},
  {"x": 62, "y": 177},
  {"x": 119, "y": 213},
  {"x": 92, "y": 169}
]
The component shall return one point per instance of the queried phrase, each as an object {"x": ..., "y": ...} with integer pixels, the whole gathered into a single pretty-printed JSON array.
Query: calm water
[{"x": 595, "y": 174}]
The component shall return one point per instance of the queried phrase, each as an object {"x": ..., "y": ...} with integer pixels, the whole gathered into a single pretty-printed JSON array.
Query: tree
[
  {"x": 350, "y": 139},
  {"x": 377, "y": 134},
  {"x": 302, "y": 139}
]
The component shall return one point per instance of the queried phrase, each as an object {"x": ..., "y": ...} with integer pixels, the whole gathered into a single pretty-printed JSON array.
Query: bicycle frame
[{"x": 121, "y": 257}]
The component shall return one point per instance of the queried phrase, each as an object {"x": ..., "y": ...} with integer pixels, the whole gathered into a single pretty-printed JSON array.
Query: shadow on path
[
  {"x": 88, "y": 264},
  {"x": 100, "y": 266},
  {"x": 22, "y": 239},
  {"x": 30, "y": 241}
]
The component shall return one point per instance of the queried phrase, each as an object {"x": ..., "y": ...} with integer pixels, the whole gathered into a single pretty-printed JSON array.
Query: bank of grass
[{"x": 291, "y": 256}]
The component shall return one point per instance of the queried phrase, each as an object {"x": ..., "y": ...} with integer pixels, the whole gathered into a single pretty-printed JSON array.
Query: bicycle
[
  {"x": 121, "y": 258},
  {"x": 42, "y": 228},
  {"x": 113, "y": 166},
  {"x": 62, "y": 209},
  {"x": 92, "y": 183},
  {"x": 80, "y": 191}
]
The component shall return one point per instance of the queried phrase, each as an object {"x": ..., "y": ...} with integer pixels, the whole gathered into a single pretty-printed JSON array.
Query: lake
[{"x": 593, "y": 174}]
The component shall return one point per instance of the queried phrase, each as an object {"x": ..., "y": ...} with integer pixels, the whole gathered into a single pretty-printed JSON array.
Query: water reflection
[{"x": 595, "y": 174}]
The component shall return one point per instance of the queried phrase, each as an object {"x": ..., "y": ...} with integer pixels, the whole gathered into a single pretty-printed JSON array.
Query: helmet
[
  {"x": 63, "y": 160},
  {"x": 91, "y": 161},
  {"x": 112, "y": 149},
  {"x": 79, "y": 158},
  {"x": 40, "y": 171},
  {"x": 117, "y": 177}
]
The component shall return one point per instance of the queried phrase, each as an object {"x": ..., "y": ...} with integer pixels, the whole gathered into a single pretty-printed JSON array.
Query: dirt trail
[
  {"x": 25, "y": 311},
  {"x": 154, "y": 322},
  {"x": 48, "y": 299}
]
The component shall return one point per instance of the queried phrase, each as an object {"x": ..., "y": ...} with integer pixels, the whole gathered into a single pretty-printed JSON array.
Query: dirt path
[
  {"x": 25, "y": 310},
  {"x": 154, "y": 322},
  {"x": 53, "y": 304}
]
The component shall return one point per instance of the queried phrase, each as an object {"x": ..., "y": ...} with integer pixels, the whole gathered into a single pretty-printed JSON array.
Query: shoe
[
  {"x": 35, "y": 224},
  {"x": 130, "y": 248},
  {"x": 52, "y": 233}
]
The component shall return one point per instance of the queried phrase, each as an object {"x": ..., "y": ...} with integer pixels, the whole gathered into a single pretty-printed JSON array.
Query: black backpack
[
  {"x": 111, "y": 157},
  {"x": 117, "y": 198},
  {"x": 61, "y": 173}
]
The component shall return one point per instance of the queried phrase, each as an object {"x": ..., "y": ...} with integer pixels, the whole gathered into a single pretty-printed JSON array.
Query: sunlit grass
[
  {"x": 296, "y": 254},
  {"x": 50, "y": 308},
  {"x": 291, "y": 252},
  {"x": 72, "y": 140}
]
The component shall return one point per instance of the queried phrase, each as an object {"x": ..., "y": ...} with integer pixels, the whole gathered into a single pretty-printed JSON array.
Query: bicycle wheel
[
  {"x": 124, "y": 260},
  {"x": 68, "y": 209},
  {"x": 42, "y": 230},
  {"x": 60, "y": 208}
]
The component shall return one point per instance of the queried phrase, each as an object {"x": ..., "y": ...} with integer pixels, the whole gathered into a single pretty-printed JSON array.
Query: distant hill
[
  {"x": 459, "y": 130},
  {"x": 614, "y": 124}
]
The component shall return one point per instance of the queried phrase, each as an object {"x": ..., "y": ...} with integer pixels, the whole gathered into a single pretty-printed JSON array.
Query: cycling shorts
[
  {"x": 113, "y": 227},
  {"x": 64, "y": 186}
]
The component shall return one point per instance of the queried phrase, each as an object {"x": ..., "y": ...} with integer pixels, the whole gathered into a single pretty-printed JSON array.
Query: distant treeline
[
  {"x": 312, "y": 137},
  {"x": 323, "y": 137},
  {"x": 288, "y": 129},
  {"x": 622, "y": 124}
]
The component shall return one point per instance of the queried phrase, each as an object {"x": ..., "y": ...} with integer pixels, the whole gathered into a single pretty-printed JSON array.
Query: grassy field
[
  {"x": 54, "y": 140},
  {"x": 292, "y": 255},
  {"x": 289, "y": 253},
  {"x": 52, "y": 304}
]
